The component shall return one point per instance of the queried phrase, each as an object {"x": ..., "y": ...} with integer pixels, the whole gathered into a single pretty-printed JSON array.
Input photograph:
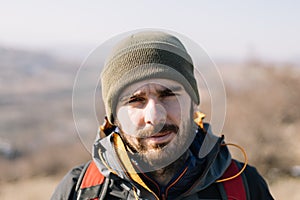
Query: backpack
[{"x": 93, "y": 185}]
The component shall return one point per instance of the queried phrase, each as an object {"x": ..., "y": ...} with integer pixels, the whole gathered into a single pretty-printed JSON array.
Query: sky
[{"x": 267, "y": 30}]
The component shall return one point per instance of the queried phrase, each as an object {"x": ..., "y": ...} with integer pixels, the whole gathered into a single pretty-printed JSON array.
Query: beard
[{"x": 151, "y": 157}]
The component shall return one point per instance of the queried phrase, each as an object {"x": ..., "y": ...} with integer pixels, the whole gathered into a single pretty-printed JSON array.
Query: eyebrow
[
  {"x": 160, "y": 92},
  {"x": 169, "y": 90}
]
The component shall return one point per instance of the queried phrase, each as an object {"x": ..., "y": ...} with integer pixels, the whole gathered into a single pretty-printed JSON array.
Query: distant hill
[{"x": 36, "y": 91}]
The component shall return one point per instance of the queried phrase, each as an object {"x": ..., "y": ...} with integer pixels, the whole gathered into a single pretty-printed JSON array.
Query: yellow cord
[{"x": 243, "y": 168}]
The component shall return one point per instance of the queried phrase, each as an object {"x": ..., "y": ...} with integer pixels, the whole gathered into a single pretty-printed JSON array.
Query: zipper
[
  {"x": 165, "y": 190},
  {"x": 148, "y": 178}
]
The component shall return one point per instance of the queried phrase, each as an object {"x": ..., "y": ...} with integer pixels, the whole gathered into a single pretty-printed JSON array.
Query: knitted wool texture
[{"x": 146, "y": 55}]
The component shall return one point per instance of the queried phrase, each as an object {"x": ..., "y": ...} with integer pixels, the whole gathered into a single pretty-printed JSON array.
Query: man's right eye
[{"x": 136, "y": 100}]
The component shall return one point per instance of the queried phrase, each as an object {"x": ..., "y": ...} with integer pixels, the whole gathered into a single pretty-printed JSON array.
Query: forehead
[{"x": 155, "y": 84}]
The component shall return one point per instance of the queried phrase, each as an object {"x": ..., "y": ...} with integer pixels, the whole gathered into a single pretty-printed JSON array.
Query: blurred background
[{"x": 254, "y": 44}]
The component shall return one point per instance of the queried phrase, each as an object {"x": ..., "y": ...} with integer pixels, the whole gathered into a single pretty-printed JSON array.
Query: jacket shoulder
[{"x": 66, "y": 188}]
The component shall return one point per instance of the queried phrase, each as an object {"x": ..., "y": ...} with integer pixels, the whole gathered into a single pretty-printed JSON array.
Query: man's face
[{"x": 155, "y": 119}]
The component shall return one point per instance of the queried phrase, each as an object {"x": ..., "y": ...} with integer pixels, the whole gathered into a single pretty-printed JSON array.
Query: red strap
[
  {"x": 92, "y": 176},
  {"x": 235, "y": 187}
]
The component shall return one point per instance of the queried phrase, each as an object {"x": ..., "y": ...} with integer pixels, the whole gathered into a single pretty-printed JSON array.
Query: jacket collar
[{"x": 207, "y": 162}]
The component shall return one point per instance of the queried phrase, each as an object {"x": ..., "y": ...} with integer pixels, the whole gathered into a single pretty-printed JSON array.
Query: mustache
[{"x": 159, "y": 128}]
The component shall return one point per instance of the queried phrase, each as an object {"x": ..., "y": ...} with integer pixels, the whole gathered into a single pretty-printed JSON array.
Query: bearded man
[{"x": 151, "y": 145}]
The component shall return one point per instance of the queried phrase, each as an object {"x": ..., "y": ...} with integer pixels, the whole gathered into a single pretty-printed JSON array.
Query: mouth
[{"x": 161, "y": 137}]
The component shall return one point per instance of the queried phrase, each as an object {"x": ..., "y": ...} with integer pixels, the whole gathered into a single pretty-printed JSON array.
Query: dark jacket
[{"x": 196, "y": 180}]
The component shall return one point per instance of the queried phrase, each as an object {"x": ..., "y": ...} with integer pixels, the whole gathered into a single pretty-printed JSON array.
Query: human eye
[
  {"x": 135, "y": 99},
  {"x": 167, "y": 93}
]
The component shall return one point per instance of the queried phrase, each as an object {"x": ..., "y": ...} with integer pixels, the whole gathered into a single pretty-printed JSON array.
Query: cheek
[
  {"x": 129, "y": 119},
  {"x": 173, "y": 113},
  {"x": 178, "y": 111}
]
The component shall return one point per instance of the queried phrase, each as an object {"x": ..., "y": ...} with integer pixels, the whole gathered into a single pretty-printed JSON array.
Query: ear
[{"x": 106, "y": 128}]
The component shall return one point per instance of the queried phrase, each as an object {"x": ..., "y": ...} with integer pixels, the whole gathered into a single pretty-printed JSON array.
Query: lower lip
[{"x": 162, "y": 139}]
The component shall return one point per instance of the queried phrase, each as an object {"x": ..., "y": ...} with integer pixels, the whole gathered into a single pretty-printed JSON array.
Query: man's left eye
[{"x": 167, "y": 94}]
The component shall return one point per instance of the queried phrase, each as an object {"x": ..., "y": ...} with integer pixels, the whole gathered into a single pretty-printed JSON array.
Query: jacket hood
[{"x": 208, "y": 160}]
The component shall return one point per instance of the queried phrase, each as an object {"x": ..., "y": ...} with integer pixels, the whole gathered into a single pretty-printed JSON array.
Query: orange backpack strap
[
  {"x": 92, "y": 176},
  {"x": 236, "y": 188},
  {"x": 92, "y": 183}
]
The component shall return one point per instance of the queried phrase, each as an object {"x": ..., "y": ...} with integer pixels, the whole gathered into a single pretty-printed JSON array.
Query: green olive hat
[{"x": 146, "y": 55}]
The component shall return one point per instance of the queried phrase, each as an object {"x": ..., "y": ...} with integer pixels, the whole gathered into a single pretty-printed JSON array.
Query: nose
[{"x": 154, "y": 113}]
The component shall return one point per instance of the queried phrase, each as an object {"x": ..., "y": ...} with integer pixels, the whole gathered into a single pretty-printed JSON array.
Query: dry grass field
[
  {"x": 42, "y": 188},
  {"x": 263, "y": 116}
]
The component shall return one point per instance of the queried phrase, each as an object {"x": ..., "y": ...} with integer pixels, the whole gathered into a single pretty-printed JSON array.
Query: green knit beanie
[{"x": 146, "y": 55}]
